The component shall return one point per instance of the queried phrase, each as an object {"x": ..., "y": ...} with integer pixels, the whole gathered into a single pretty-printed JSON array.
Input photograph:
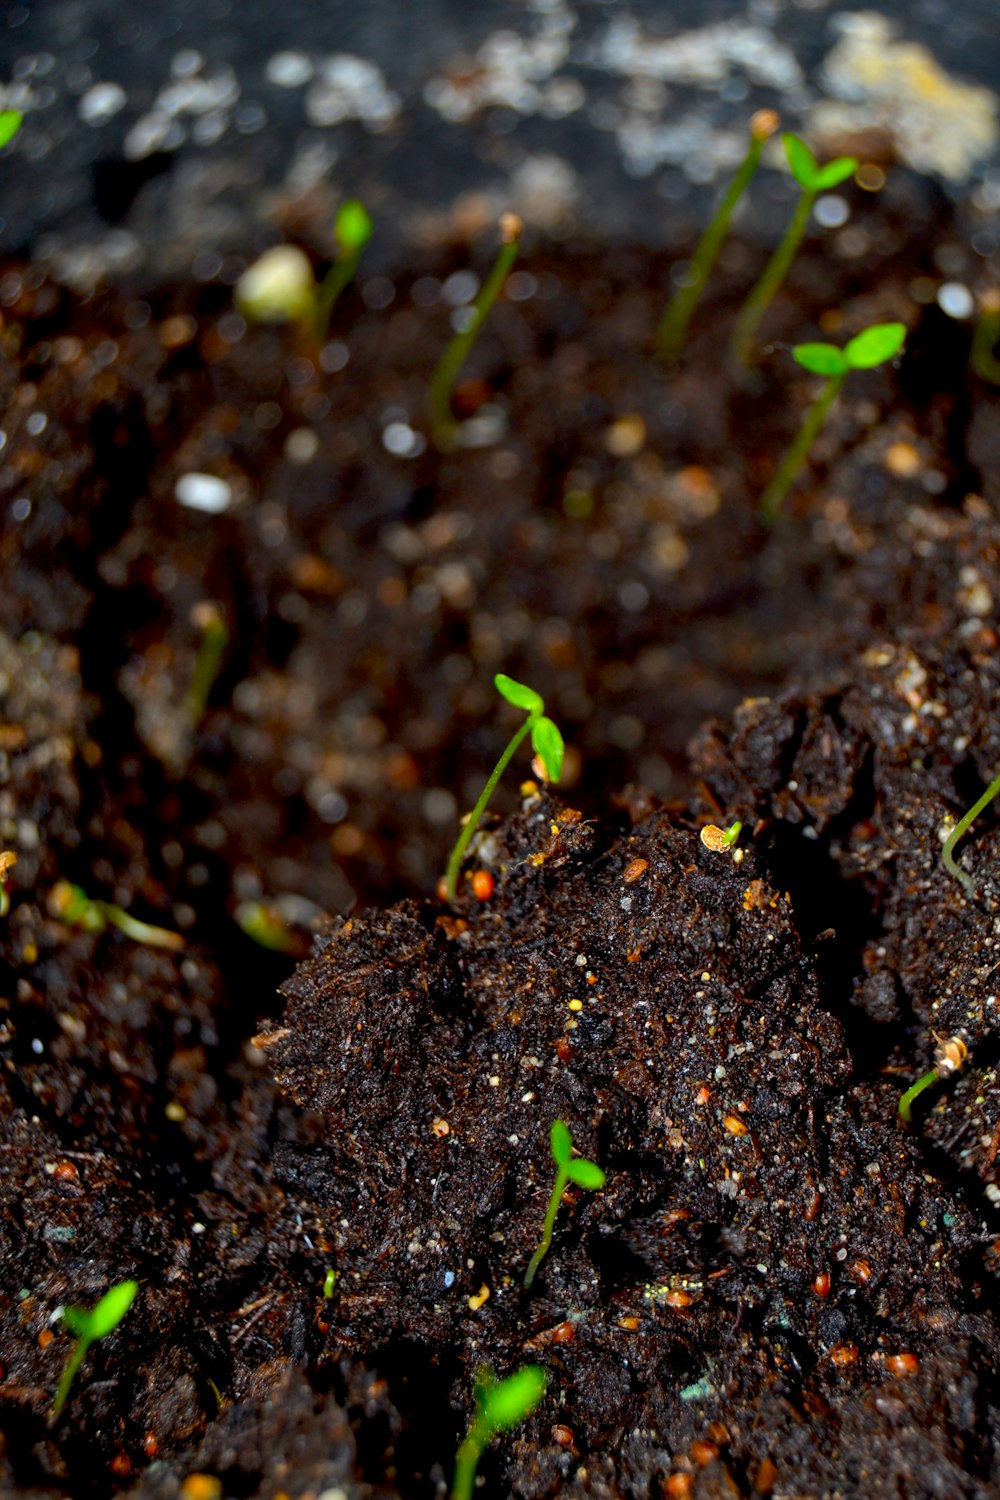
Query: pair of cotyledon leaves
[{"x": 546, "y": 741}]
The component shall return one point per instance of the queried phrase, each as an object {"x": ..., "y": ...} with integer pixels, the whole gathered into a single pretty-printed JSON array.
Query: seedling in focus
[
  {"x": 89, "y": 1325},
  {"x": 569, "y": 1168},
  {"x": 500, "y": 1405},
  {"x": 873, "y": 347},
  {"x": 720, "y": 839},
  {"x": 547, "y": 744},
  {"x": 443, "y": 423},
  {"x": 71, "y": 905},
  {"x": 674, "y": 324},
  {"x": 960, "y": 829},
  {"x": 813, "y": 179},
  {"x": 280, "y": 286},
  {"x": 949, "y": 1056}
]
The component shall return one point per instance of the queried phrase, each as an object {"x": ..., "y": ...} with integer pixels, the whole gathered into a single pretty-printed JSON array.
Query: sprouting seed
[
  {"x": 329, "y": 1282},
  {"x": 813, "y": 179},
  {"x": 211, "y": 622},
  {"x": 500, "y": 1405},
  {"x": 950, "y": 1055},
  {"x": 89, "y": 1325},
  {"x": 443, "y": 423},
  {"x": 569, "y": 1168},
  {"x": 352, "y": 229},
  {"x": 873, "y": 347},
  {"x": 985, "y": 337},
  {"x": 71, "y": 905},
  {"x": 547, "y": 744},
  {"x": 680, "y": 308},
  {"x": 720, "y": 839},
  {"x": 962, "y": 827},
  {"x": 10, "y": 124},
  {"x": 280, "y": 286},
  {"x": 264, "y": 924}
]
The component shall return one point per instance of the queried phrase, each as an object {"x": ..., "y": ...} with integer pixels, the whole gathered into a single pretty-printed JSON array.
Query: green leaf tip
[
  {"x": 104, "y": 1317},
  {"x": 507, "y": 1403},
  {"x": 10, "y": 124},
  {"x": 800, "y": 159},
  {"x": 586, "y": 1174},
  {"x": 875, "y": 345},
  {"x": 519, "y": 694},
  {"x": 547, "y": 743},
  {"x": 352, "y": 227},
  {"x": 834, "y": 172},
  {"x": 821, "y": 359},
  {"x": 561, "y": 1142}
]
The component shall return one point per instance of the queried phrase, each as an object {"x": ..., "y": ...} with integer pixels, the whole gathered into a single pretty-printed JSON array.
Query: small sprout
[
  {"x": 547, "y": 743},
  {"x": 949, "y": 1056},
  {"x": 443, "y": 423},
  {"x": 329, "y": 1282},
  {"x": 984, "y": 339},
  {"x": 266, "y": 926},
  {"x": 71, "y": 905},
  {"x": 569, "y": 1168},
  {"x": 674, "y": 324},
  {"x": 962, "y": 827},
  {"x": 10, "y": 124},
  {"x": 89, "y": 1326},
  {"x": 500, "y": 1405},
  {"x": 8, "y": 859},
  {"x": 280, "y": 286},
  {"x": 813, "y": 179},
  {"x": 721, "y": 839},
  {"x": 872, "y": 347},
  {"x": 209, "y": 619},
  {"x": 352, "y": 229}
]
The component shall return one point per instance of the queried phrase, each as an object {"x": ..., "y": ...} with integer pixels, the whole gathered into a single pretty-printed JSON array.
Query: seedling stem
[
  {"x": 586, "y": 1174},
  {"x": 90, "y": 1325},
  {"x": 71, "y": 904},
  {"x": 443, "y": 423},
  {"x": 209, "y": 619},
  {"x": 984, "y": 339},
  {"x": 500, "y": 1405},
  {"x": 352, "y": 230},
  {"x": 961, "y": 827}
]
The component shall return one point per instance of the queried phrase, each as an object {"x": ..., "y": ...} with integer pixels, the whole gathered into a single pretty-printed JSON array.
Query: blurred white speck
[
  {"x": 460, "y": 287},
  {"x": 400, "y": 439},
  {"x": 37, "y": 423},
  {"x": 21, "y": 509},
  {"x": 204, "y": 492},
  {"x": 289, "y": 70},
  {"x": 439, "y": 805},
  {"x": 301, "y": 445},
  {"x": 633, "y": 596},
  {"x": 333, "y": 357},
  {"x": 186, "y": 62},
  {"x": 351, "y": 88},
  {"x": 101, "y": 102},
  {"x": 462, "y": 319},
  {"x": 831, "y": 211},
  {"x": 955, "y": 299}
]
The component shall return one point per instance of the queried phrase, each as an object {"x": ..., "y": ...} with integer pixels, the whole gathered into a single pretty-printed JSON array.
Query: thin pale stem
[
  {"x": 472, "y": 822},
  {"x": 140, "y": 932},
  {"x": 467, "y": 1460},
  {"x": 454, "y": 357},
  {"x": 774, "y": 495},
  {"x": 340, "y": 274},
  {"x": 68, "y": 1375},
  {"x": 680, "y": 308},
  {"x": 762, "y": 295},
  {"x": 559, "y": 1187},
  {"x": 962, "y": 826},
  {"x": 206, "y": 670},
  {"x": 915, "y": 1089}
]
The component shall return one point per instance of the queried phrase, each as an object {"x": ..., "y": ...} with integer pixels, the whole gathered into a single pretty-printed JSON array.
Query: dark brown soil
[{"x": 780, "y": 1290}]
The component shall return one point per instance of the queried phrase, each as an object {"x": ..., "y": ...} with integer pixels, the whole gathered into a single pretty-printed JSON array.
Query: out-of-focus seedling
[
  {"x": 89, "y": 1325},
  {"x": 949, "y": 1056},
  {"x": 10, "y": 124},
  {"x": 280, "y": 286},
  {"x": 962, "y": 827},
  {"x": 211, "y": 622},
  {"x": 985, "y": 337},
  {"x": 329, "y": 1282},
  {"x": 873, "y": 347},
  {"x": 71, "y": 905},
  {"x": 569, "y": 1168},
  {"x": 265, "y": 925},
  {"x": 8, "y": 859},
  {"x": 547, "y": 744},
  {"x": 680, "y": 308},
  {"x": 813, "y": 179},
  {"x": 500, "y": 1405},
  {"x": 443, "y": 423}
]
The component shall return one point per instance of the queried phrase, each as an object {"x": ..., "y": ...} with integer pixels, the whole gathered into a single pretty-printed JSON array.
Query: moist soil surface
[{"x": 780, "y": 1290}]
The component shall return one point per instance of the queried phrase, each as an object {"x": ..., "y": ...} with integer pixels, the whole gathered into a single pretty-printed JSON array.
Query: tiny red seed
[
  {"x": 902, "y": 1364},
  {"x": 483, "y": 885},
  {"x": 821, "y": 1284}
]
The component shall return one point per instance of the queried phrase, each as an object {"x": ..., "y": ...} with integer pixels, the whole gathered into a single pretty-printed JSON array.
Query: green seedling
[
  {"x": 71, "y": 905},
  {"x": 813, "y": 179},
  {"x": 8, "y": 859},
  {"x": 985, "y": 337},
  {"x": 949, "y": 1056},
  {"x": 720, "y": 839},
  {"x": 265, "y": 925},
  {"x": 680, "y": 309},
  {"x": 569, "y": 1168},
  {"x": 443, "y": 423},
  {"x": 329, "y": 1282},
  {"x": 500, "y": 1405},
  {"x": 89, "y": 1325},
  {"x": 872, "y": 347},
  {"x": 280, "y": 286},
  {"x": 547, "y": 744},
  {"x": 962, "y": 827},
  {"x": 211, "y": 622},
  {"x": 10, "y": 124}
]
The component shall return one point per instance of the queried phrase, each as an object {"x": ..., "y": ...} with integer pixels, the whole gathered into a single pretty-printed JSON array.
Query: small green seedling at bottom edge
[
  {"x": 949, "y": 1056},
  {"x": 547, "y": 743},
  {"x": 500, "y": 1405},
  {"x": 89, "y": 1325},
  {"x": 443, "y": 423},
  {"x": 585, "y": 1174},
  {"x": 962, "y": 827},
  {"x": 71, "y": 905},
  {"x": 872, "y": 347}
]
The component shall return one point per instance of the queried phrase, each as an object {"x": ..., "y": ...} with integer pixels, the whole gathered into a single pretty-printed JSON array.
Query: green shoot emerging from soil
[
  {"x": 569, "y": 1168},
  {"x": 872, "y": 347},
  {"x": 962, "y": 827},
  {"x": 280, "y": 287},
  {"x": 813, "y": 179},
  {"x": 71, "y": 905},
  {"x": 209, "y": 619},
  {"x": 547, "y": 744},
  {"x": 984, "y": 340},
  {"x": 443, "y": 423},
  {"x": 329, "y": 1282},
  {"x": 352, "y": 229},
  {"x": 673, "y": 325},
  {"x": 10, "y": 124},
  {"x": 89, "y": 1326},
  {"x": 949, "y": 1056},
  {"x": 500, "y": 1405}
]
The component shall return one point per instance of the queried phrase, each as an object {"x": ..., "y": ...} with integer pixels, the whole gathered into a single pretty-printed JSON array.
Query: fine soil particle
[{"x": 780, "y": 1290}]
